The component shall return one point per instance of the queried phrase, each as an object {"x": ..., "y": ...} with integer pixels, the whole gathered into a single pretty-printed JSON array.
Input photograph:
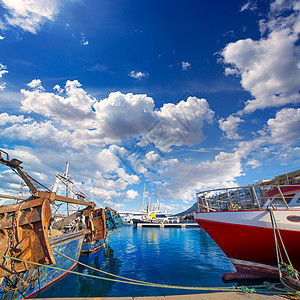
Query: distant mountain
[{"x": 190, "y": 210}]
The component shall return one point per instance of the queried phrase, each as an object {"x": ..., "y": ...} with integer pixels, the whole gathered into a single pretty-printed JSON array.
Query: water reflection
[
  {"x": 173, "y": 256},
  {"x": 103, "y": 260}
]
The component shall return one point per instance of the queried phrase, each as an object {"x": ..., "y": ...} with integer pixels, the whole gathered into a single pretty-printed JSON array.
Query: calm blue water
[{"x": 173, "y": 256}]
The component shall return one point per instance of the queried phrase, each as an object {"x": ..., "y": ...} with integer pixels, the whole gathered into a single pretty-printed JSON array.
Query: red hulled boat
[{"x": 247, "y": 224}]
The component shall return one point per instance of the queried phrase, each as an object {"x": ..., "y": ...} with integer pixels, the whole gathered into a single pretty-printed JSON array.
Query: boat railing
[{"x": 245, "y": 198}]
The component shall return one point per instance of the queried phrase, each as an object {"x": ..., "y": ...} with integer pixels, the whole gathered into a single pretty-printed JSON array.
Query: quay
[
  {"x": 207, "y": 296},
  {"x": 163, "y": 225}
]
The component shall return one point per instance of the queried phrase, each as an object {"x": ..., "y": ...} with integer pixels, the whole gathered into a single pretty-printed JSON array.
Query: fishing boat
[
  {"x": 104, "y": 221},
  {"x": 258, "y": 228},
  {"x": 35, "y": 249}
]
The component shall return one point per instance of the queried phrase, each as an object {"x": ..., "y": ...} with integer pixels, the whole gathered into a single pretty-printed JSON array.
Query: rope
[
  {"x": 95, "y": 269},
  {"x": 145, "y": 283},
  {"x": 276, "y": 226},
  {"x": 278, "y": 253},
  {"x": 229, "y": 289},
  {"x": 290, "y": 269},
  {"x": 141, "y": 283}
]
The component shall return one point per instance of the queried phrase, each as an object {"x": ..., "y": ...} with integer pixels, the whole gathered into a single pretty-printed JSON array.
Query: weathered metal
[
  {"x": 53, "y": 197},
  {"x": 24, "y": 234},
  {"x": 98, "y": 225},
  {"x": 27, "y": 283}
]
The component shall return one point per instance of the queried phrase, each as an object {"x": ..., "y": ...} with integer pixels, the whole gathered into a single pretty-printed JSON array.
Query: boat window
[
  {"x": 298, "y": 200},
  {"x": 278, "y": 199},
  {"x": 160, "y": 216}
]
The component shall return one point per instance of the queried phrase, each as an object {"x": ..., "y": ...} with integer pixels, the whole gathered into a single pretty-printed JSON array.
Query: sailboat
[
  {"x": 152, "y": 213},
  {"x": 129, "y": 215}
]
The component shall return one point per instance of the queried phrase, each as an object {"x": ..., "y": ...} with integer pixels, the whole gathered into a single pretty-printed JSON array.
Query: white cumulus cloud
[
  {"x": 185, "y": 65},
  {"x": 270, "y": 67},
  {"x": 73, "y": 110},
  {"x": 182, "y": 179},
  {"x": 6, "y": 118},
  {"x": 230, "y": 126},
  {"x": 120, "y": 116},
  {"x": 179, "y": 124},
  {"x": 36, "y": 84},
  {"x": 285, "y": 127},
  {"x": 138, "y": 75}
]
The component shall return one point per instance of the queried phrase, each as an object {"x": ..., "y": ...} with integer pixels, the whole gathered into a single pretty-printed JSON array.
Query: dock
[{"x": 168, "y": 225}]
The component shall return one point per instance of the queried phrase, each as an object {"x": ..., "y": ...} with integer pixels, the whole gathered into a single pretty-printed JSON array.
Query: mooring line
[
  {"x": 101, "y": 271},
  {"x": 145, "y": 283},
  {"x": 217, "y": 289},
  {"x": 116, "y": 280}
]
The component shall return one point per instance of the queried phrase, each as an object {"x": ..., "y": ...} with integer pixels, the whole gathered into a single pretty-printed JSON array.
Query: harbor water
[{"x": 172, "y": 256}]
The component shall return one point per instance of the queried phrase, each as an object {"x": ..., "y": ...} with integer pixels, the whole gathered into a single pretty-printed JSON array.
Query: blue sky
[{"x": 180, "y": 95}]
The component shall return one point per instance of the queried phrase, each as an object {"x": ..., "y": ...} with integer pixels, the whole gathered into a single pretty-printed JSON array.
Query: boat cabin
[{"x": 283, "y": 197}]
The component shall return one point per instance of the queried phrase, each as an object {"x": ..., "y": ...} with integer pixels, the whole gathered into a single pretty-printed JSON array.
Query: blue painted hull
[
  {"x": 38, "y": 278},
  {"x": 91, "y": 247}
]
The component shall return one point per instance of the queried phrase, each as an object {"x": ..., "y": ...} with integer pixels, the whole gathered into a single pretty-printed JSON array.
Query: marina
[
  {"x": 173, "y": 256},
  {"x": 149, "y": 150},
  {"x": 161, "y": 255},
  {"x": 184, "y": 257}
]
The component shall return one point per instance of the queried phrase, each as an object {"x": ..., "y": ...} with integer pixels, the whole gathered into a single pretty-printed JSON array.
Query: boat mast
[
  {"x": 15, "y": 165},
  {"x": 158, "y": 199},
  {"x": 143, "y": 197}
]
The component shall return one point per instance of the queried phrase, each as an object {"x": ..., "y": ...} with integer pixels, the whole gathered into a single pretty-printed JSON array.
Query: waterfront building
[{"x": 287, "y": 178}]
